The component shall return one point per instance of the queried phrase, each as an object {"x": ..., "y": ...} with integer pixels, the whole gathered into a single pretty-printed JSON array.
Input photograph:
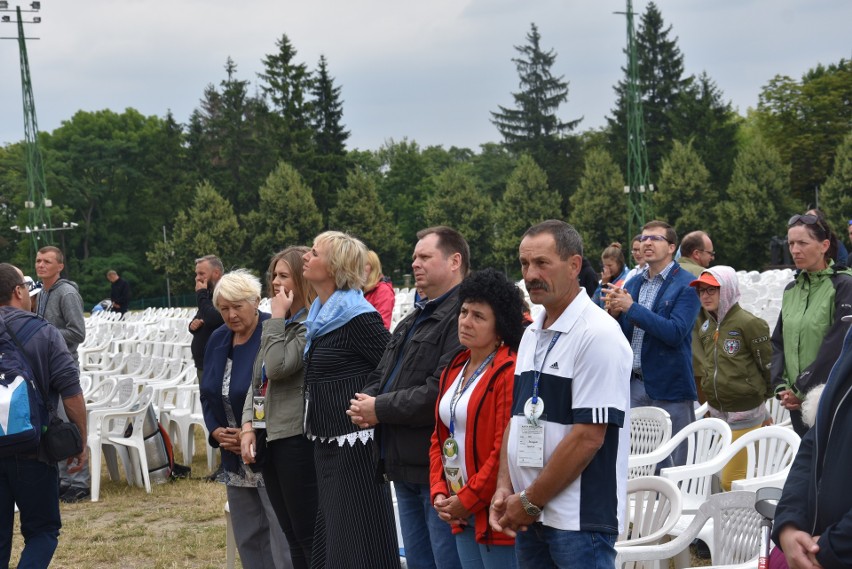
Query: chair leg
[
  {"x": 95, "y": 471},
  {"x": 110, "y": 456}
]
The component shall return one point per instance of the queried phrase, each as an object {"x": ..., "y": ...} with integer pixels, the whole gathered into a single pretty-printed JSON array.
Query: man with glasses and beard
[{"x": 656, "y": 311}]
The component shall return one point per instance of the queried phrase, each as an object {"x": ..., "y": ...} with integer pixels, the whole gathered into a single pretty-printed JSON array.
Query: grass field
[{"x": 181, "y": 524}]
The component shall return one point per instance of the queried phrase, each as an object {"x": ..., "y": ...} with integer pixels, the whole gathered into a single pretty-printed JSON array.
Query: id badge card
[
  {"x": 531, "y": 443},
  {"x": 258, "y": 405},
  {"x": 452, "y": 470}
]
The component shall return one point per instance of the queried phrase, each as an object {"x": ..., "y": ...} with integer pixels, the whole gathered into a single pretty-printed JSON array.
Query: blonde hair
[
  {"x": 346, "y": 258},
  {"x": 375, "y": 271},
  {"x": 237, "y": 285}
]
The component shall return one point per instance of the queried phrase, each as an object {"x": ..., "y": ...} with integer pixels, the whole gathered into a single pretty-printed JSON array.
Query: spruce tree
[
  {"x": 533, "y": 125},
  {"x": 208, "y": 227},
  {"x": 359, "y": 212},
  {"x": 458, "y": 203},
  {"x": 836, "y": 192},
  {"x": 756, "y": 209},
  {"x": 287, "y": 215},
  {"x": 526, "y": 201},
  {"x": 684, "y": 192},
  {"x": 329, "y": 165},
  {"x": 660, "y": 83},
  {"x": 598, "y": 208}
]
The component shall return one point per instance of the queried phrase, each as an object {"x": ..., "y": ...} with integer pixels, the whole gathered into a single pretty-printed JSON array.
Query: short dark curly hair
[{"x": 493, "y": 288}]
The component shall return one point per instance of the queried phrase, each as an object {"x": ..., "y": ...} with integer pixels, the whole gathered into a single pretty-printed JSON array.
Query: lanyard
[
  {"x": 537, "y": 374},
  {"x": 462, "y": 387}
]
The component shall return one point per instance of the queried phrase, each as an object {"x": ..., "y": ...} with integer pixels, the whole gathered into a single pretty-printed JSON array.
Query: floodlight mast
[
  {"x": 39, "y": 227},
  {"x": 637, "y": 152}
]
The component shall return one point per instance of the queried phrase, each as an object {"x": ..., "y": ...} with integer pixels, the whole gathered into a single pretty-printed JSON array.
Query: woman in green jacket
[
  {"x": 809, "y": 335},
  {"x": 275, "y": 403},
  {"x": 736, "y": 353}
]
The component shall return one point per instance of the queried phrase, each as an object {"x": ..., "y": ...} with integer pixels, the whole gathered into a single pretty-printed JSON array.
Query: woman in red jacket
[{"x": 473, "y": 409}]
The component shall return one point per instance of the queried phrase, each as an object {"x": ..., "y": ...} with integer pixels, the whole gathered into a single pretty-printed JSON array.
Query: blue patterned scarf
[{"x": 340, "y": 308}]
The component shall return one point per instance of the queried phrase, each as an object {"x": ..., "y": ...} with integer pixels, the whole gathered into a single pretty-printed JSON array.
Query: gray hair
[
  {"x": 568, "y": 240},
  {"x": 237, "y": 285}
]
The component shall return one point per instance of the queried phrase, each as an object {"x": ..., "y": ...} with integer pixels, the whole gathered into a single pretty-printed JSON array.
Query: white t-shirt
[
  {"x": 584, "y": 379},
  {"x": 460, "y": 423}
]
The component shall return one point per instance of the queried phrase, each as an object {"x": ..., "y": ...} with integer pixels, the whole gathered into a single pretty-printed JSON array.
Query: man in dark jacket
[
  {"x": 31, "y": 481},
  {"x": 119, "y": 292},
  {"x": 813, "y": 521},
  {"x": 208, "y": 271},
  {"x": 399, "y": 398}
]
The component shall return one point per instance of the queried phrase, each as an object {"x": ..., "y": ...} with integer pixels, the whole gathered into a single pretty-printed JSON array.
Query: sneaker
[{"x": 74, "y": 495}]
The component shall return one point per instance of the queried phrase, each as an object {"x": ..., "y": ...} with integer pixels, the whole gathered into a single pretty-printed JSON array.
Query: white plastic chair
[
  {"x": 653, "y": 506},
  {"x": 780, "y": 415},
  {"x": 650, "y": 427},
  {"x": 230, "y": 540},
  {"x": 705, "y": 439},
  {"x": 735, "y": 528},
  {"x": 183, "y": 419},
  {"x": 108, "y": 428}
]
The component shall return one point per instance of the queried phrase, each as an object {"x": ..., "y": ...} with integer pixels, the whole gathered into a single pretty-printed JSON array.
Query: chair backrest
[
  {"x": 650, "y": 427},
  {"x": 706, "y": 438},
  {"x": 780, "y": 415},
  {"x": 736, "y": 527},
  {"x": 653, "y": 507}
]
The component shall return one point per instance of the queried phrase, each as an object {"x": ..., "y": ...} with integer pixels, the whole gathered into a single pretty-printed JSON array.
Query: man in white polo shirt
[{"x": 563, "y": 466}]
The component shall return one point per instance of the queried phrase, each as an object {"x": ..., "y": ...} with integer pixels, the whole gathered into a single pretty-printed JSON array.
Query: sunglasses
[
  {"x": 643, "y": 238},
  {"x": 808, "y": 219}
]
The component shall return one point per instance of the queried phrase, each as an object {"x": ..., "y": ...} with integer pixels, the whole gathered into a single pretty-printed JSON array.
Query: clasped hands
[{"x": 362, "y": 411}]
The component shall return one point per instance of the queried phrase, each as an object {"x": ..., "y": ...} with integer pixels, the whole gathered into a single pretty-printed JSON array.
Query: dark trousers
[
  {"x": 291, "y": 482},
  {"x": 34, "y": 486}
]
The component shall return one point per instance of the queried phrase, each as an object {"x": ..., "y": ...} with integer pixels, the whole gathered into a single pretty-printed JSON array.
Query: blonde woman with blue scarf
[{"x": 345, "y": 341}]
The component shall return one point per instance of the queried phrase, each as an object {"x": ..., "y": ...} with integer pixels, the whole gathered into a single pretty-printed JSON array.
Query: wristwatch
[{"x": 531, "y": 509}]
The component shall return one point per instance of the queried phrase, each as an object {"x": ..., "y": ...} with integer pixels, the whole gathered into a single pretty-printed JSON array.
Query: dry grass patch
[{"x": 181, "y": 524}]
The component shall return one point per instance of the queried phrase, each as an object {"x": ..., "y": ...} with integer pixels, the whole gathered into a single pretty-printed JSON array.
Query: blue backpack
[{"x": 23, "y": 414}]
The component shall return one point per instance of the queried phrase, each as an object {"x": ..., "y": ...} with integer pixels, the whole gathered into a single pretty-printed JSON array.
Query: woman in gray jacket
[{"x": 276, "y": 403}]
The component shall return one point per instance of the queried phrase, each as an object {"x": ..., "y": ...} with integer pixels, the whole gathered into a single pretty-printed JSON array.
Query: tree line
[{"x": 262, "y": 164}]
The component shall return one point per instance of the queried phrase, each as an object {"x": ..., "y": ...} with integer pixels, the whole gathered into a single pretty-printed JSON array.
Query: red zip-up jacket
[{"x": 488, "y": 413}]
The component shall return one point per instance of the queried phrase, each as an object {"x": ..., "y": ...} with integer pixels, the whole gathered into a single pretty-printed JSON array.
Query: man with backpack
[{"x": 29, "y": 479}]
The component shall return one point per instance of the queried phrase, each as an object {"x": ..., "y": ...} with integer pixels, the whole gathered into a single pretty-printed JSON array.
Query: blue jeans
[
  {"x": 542, "y": 547},
  {"x": 480, "y": 556},
  {"x": 428, "y": 540},
  {"x": 34, "y": 486},
  {"x": 681, "y": 412}
]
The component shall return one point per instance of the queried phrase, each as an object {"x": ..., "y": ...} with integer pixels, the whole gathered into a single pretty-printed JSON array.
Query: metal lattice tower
[
  {"x": 637, "y": 153},
  {"x": 37, "y": 204}
]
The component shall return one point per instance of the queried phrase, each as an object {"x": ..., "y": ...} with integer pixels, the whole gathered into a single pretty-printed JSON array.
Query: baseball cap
[
  {"x": 705, "y": 278},
  {"x": 32, "y": 286}
]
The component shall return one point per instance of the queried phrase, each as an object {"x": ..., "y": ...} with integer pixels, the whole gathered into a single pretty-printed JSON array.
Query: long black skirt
[{"x": 355, "y": 521}]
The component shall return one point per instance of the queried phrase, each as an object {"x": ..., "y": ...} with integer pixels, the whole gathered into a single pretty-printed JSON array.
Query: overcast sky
[{"x": 430, "y": 70}]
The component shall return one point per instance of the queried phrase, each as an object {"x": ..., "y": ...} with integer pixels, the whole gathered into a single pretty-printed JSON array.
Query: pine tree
[
  {"x": 458, "y": 203},
  {"x": 287, "y": 215},
  {"x": 598, "y": 207},
  {"x": 359, "y": 212},
  {"x": 660, "y": 83},
  {"x": 405, "y": 186},
  {"x": 684, "y": 190},
  {"x": 756, "y": 209},
  {"x": 526, "y": 201},
  {"x": 327, "y": 171},
  {"x": 208, "y": 227},
  {"x": 533, "y": 125}
]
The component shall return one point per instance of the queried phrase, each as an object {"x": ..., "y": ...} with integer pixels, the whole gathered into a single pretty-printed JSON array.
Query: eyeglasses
[
  {"x": 808, "y": 219},
  {"x": 643, "y": 238},
  {"x": 711, "y": 253},
  {"x": 707, "y": 290}
]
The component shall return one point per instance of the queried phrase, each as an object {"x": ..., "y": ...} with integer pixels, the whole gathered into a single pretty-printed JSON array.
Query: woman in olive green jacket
[
  {"x": 276, "y": 404},
  {"x": 736, "y": 353}
]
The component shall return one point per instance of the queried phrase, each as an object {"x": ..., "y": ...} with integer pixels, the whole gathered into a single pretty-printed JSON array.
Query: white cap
[{"x": 33, "y": 286}]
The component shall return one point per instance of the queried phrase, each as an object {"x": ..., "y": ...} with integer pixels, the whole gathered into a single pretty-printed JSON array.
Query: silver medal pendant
[{"x": 533, "y": 411}]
